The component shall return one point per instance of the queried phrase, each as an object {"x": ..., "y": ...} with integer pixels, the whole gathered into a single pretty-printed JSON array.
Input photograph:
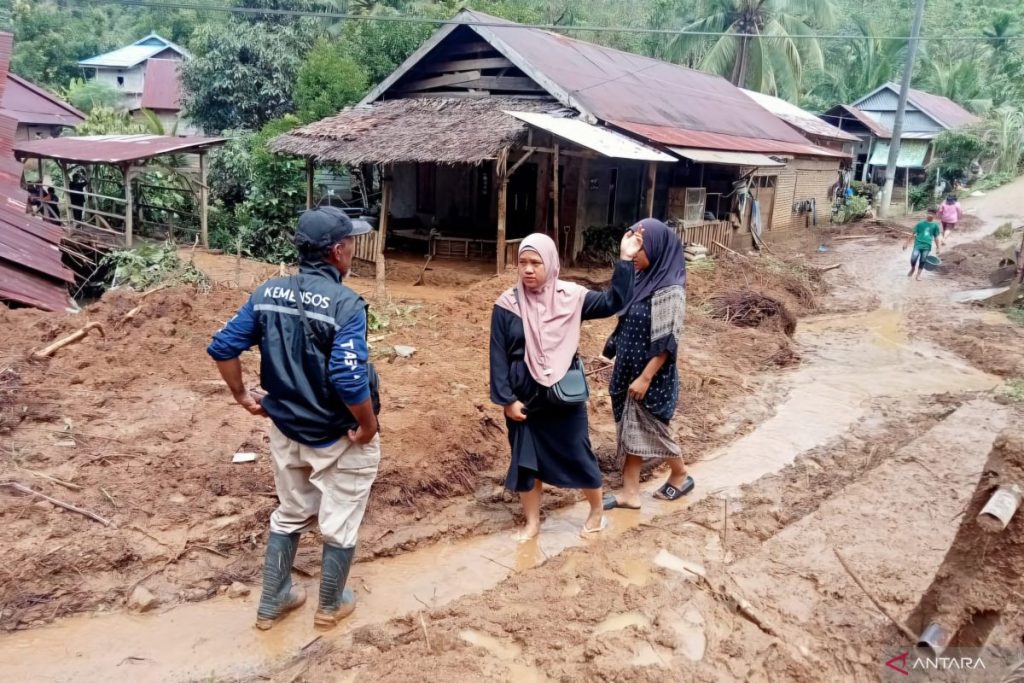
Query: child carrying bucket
[{"x": 925, "y": 232}]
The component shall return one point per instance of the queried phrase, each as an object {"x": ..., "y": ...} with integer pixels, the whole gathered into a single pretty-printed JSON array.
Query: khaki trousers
[{"x": 327, "y": 485}]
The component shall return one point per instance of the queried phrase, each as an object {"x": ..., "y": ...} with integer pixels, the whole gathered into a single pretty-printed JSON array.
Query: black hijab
[{"x": 668, "y": 265}]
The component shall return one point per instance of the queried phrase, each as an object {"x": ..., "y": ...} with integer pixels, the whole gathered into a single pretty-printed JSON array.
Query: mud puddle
[{"x": 848, "y": 360}]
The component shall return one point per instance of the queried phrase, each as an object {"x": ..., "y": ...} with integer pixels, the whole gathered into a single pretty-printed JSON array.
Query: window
[
  {"x": 426, "y": 187},
  {"x": 613, "y": 179},
  {"x": 120, "y": 81}
]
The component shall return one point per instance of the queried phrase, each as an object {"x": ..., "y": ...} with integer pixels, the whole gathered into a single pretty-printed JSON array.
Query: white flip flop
[{"x": 600, "y": 527}]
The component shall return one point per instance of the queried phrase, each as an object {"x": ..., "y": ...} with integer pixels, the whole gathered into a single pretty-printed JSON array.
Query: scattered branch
[
  {"x": 70, "y": 339},
  {"x": 59, "y": 503},
  {"x": 874, "y": 601}
]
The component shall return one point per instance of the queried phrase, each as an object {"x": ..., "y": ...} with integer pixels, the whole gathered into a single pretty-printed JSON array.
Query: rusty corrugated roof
[
  {"x": 31, "y": 269},
  {"x": 623, "y": 87},
  {"x": 845, "y": 111},
  {"x": 113, "y": 149},
  {"x": 27, "y": 103},
  {"x": 161, "y": 88},
  {"x": 944, "y": 110}
]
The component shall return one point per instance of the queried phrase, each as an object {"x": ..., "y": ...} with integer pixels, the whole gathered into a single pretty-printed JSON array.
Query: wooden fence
[
  {"x": 368, "y": 246},
  {"x": 707, "y": 234}
]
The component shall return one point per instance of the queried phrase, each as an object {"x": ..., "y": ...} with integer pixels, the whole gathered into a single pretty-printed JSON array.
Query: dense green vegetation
[{"x": 253, "y": 75}]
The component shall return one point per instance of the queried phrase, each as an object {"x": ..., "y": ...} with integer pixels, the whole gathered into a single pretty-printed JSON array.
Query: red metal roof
[
  {"x": 623, "y": 87},
  {"x": 944, "y": 110},
  {"x": 161, "y": 89},
  {"x": 31, "y": 289},
  {"x": 113, "y": 149},
  {"x": 31, "y": 269},
  {"x": 678, "y": 137},
  {"x": 27, "y": 103}
]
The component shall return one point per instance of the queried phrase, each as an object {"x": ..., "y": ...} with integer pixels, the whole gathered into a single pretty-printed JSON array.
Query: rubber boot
[
  {"x": 279, "y": 596},
  {"x": 336, "y": 601}
]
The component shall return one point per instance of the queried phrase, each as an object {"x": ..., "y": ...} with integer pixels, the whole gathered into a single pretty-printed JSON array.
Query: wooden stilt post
[
  {"x": 501, "y": 180},
  {"x": 867, "y": 161},
  {"x": 309, "y": 182},
  {"x": 129, "y": 206},
  {"x": 65, "y": 198},
  {"x": 382, "y": 231},
  {"x": 555, "y": 216},
  {"x": 204, "y": 203},
  {"x": 906, "y": 194},
  {"x": 652, "y": 177},
  {"x": 582, "y": 190}
]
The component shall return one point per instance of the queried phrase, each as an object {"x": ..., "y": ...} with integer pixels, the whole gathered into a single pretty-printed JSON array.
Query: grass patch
[
  {"x": 704, "y": 266},
  {"x": 1004, "y": 231},
  {"x": 992, "y": 181},
  {"x": 1016, "y": 315},
  {"x": 1014, "y": 390}
]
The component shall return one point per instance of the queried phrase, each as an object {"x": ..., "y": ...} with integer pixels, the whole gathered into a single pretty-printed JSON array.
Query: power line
[{"x": 341, "y": 16}]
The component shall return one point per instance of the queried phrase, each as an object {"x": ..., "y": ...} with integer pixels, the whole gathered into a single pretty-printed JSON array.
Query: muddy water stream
[{"x": 849, "y": 359}]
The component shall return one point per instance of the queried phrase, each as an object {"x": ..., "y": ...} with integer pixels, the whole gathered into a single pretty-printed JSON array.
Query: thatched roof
[{"x": 444, "y": 131}]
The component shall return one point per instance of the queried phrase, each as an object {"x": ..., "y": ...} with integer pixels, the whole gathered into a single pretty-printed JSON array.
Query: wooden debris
[
  {"x": 745, "y": 308},
  {"x": 825, "y": 269},
  {"x": 70, "y": 339},
  {"x": 874, "y": 601},
  {"x": 419, "y": 280},
  {"x": 59, "y": 503},
  {"x": 722, "y": 246},
  {"x": 55, "y": 480}
]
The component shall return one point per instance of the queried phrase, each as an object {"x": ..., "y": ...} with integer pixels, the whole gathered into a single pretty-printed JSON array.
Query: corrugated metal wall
[{"x": 803, "y": 179}]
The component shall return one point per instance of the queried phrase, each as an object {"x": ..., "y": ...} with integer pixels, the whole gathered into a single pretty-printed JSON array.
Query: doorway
[{"x": 522, "y": 201}]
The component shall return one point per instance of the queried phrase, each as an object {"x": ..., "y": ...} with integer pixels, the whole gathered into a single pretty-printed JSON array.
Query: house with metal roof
[
  {"x": 39, "y": 113},
  {"x": 871, "y": 119},
  {"x": 32, "y": 272},
  {"x": 146, "y": 73},
  {"x": 807, "y": 124},
  {"x": 492, "y": 130}
]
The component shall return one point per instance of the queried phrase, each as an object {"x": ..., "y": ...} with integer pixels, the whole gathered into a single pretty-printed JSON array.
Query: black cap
[{"x": 326, "y": 226}]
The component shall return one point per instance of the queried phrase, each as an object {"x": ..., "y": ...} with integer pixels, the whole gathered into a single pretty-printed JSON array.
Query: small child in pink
[{"x": 950, "y": 213}]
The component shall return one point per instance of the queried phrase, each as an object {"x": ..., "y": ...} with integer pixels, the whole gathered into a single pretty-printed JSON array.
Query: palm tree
[
  {"x": 1006, "y": 133},
  {"x": 859, "y": 66},
  {"x": 961, "y": 80},
  {"x": 761, "y": 47},
  {"x": 999, "y": 33}
]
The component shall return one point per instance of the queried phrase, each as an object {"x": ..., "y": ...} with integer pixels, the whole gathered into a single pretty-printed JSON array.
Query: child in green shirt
[{"x": 925, "y": 232}]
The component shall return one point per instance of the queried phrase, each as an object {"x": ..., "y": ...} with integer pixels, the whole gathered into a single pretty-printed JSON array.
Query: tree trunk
[{"x": 742, "y": 63}]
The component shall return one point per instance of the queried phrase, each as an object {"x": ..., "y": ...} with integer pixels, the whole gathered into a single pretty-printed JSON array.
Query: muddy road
[{"x": 870, "y": 448}]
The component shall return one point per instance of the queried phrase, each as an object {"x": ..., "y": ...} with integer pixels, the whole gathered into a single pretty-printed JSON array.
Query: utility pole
[{"x": 901, "y": 109}]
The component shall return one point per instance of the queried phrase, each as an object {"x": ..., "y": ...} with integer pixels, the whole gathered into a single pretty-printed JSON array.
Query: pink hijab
[{"x": 551, "y": 315}]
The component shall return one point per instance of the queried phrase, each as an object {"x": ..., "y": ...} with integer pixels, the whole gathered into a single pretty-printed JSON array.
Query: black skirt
[{"x": 552, "y": 445}]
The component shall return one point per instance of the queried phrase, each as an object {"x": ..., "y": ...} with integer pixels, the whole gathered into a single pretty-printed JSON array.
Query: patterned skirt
[{"x": 643, "y": 435}]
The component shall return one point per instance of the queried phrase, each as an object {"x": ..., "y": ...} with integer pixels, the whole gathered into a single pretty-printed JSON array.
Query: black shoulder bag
[{"x": 572, "y": 389}]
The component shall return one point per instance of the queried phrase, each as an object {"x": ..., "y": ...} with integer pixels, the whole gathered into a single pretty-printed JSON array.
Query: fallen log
[{"x": 76, "y": 336}]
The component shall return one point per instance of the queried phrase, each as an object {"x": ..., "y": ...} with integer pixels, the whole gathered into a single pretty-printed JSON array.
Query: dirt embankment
[{"x": 137, "y": 427}]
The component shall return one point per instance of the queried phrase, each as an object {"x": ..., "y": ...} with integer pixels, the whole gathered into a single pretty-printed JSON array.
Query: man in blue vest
[{"x": 322, "y": 401}]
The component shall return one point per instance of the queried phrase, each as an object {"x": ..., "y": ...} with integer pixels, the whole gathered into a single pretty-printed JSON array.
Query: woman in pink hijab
[{"x": 535, "y": 336}]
